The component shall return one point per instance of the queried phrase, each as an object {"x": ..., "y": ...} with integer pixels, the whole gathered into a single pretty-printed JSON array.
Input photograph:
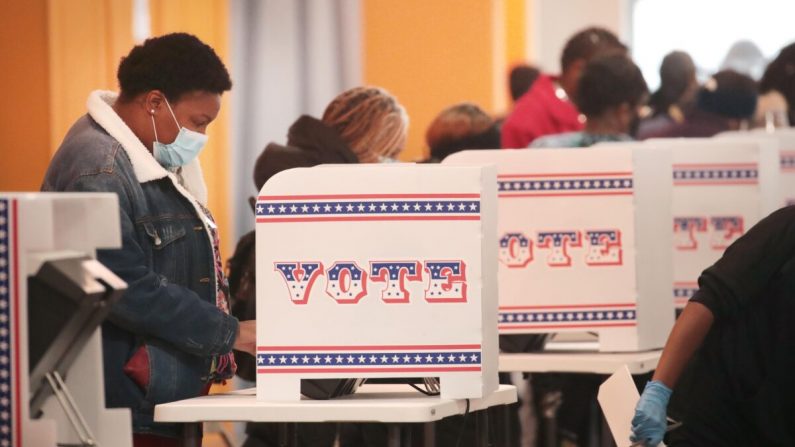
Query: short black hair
[
  {"x": 780, "y": 76},
  {"x": 175, "y": 64},
  {"x": 607, "y": 82},
  {"x": 589, "y": 43},
  {"x": 730, "y": 94},
  {"x": 677, "y": 74},
  {"x": 521, "y": 79}
]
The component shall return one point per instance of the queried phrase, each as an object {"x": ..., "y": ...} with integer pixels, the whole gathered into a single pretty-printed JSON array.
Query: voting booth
[
  {"x": 584, "y": 244},
  {"x": 53, "y": 296},
  {"x": 377, "y": 271},
  {"x": 784, "y": 139},
  {"x": 722, "y": 187}
]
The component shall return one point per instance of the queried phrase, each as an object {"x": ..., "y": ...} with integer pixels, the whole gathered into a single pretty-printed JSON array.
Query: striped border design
[
  {"x": 565, "y": 184},
  {"x": 787, "y": 161},
  {"x": 567, "y": 316},
  {"x": 369, "y": 359},
  {"x": 10, "y": 392},
  {"x": 721, "y": 174},
  {"x": 367, "y": 207},
  {"x": 683, "y": 291}
]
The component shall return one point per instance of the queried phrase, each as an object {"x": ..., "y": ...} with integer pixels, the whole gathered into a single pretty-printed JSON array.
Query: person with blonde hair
[
  {"x": 370, "y": 121},
  {"x": 361, "y": 125}
]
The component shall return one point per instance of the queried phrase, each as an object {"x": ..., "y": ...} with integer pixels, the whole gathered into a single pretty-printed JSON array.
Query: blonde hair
[
  {"x": 371, "y": 121},
  {"x": 456, "y": 122}
]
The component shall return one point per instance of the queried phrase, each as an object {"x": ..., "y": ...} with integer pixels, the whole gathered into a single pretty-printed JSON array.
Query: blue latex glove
[{"x": 649, "y": 423}]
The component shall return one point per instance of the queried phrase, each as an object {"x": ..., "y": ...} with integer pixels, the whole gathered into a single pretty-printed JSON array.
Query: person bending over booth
[
  {"x": 545, "y": 109},
  {"x": 170, "y": 336},
  {"x": 728, "y": 363},
  {"x": 726, "y": 101},
  {"x": 361, "y": 125},
  {"x": 460, "y": 127},
  {"x": 676, "y": 96},
  {"x": 610, "y": 93}
]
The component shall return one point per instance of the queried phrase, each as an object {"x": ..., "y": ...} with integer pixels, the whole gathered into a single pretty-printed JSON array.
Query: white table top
[
  {"x": 579, "y": 357},
  {"x": 371, "y": 403}
]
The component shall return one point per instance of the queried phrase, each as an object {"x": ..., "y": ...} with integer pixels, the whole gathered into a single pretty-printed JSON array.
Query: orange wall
[
  {"x": 515, "y": 31},
  {"x": 87, "y": 39},
  {"x": 431, "y": 54},
  {"x": 24, "y": 117}
]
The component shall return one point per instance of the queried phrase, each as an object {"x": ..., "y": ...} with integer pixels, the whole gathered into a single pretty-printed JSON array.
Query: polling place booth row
[
  {"x": 53, "y": 296},
  {"x": 371, "y": 272},
  {"x": 409, "y": 272}
]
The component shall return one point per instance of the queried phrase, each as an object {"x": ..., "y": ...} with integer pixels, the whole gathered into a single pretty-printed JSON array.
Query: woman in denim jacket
[{"x": 171, "y": 334}]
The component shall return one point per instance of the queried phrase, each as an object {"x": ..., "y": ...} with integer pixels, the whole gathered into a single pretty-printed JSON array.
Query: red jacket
[{"x": 537, "y": 113}]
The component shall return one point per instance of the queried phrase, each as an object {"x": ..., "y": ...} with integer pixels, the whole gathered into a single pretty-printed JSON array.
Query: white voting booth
[
  {"x": 40, "y": 234},
  {"x": 377, "y": 271},
  {"x": 722, "y": 187},
  {"x": 584, "y": 242},
  {"x": 785, "y": 141}
]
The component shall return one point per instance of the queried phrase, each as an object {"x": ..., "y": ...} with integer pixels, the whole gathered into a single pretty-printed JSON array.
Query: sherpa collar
[{"x": 144, "y": 165}]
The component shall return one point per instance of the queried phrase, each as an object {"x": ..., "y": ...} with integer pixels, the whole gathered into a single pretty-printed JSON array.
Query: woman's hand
[
  {"x": 246, "y": 340},
  {"x": 650, "y": 421}
]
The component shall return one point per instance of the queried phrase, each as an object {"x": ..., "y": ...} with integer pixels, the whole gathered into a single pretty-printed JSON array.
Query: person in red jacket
[{"x": 545, "y": 109}]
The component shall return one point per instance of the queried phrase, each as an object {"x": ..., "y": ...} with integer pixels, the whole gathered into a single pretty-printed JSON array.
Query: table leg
[
  {"x": 407, "y": 435},
  {"x": 506, "y": 425},
  {"x": 287, "y": 434},
  {"x": 482, "y": 428},
  {"x": 429, "y": 434},
  {"x": 192, "y": 434},
  {"x": 393, "y": 435}
]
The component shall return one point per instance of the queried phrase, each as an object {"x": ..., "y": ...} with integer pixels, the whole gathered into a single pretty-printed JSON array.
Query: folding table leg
[
  {"x": 429, "y": 434},
  {"x": 192, "y": 434},
  {"x": 393, "y": 435},
  {"x": 482, "y": 428}
]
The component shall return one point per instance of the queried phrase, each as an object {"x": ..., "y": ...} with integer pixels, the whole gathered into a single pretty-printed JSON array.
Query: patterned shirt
[{"x": 223, "y": 366}]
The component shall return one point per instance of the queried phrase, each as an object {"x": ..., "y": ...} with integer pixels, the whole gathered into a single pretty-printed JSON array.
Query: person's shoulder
[
  {"x": 568, "y": 139},
  {"x": 86, "y": 150}
]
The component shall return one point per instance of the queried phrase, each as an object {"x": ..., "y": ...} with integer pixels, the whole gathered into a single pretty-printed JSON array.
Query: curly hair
[
  {"x": 608, "y": 82},
  {"x": 174, "y": 64},
  {"x": 370, "y": 120}
]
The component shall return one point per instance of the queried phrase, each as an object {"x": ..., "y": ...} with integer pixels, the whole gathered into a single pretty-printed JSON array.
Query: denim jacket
[{"x": 166, "y": 259}]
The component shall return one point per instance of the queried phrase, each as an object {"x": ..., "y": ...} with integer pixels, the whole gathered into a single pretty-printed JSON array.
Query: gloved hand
[{"x": 649, "y": 423}]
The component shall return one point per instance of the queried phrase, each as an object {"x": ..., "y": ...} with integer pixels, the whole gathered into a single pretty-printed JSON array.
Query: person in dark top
[
  {"x": 361, "y": 125},
  {"x": 520, "y": 79},
  {"x": 727, "y": 365},
  {"x": 725, "y": 102},
  {"x": 676, "y": 95},
  {"x": 460, "y": 127},
  {"x": 780, "y": 76}
]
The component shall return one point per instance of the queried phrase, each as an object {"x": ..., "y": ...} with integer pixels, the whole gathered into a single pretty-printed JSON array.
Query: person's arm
[
  {"x": 741, "y": 275},
  {"x": 686, "y": 337},
  {"x": 151, "y": 306}
]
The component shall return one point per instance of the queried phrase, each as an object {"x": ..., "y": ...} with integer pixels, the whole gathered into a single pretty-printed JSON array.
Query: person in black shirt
[{"x": 731, "y": 354}]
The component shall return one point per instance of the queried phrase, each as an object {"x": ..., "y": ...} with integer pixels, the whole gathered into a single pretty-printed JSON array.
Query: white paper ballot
[{"x": 618, "y": 397}]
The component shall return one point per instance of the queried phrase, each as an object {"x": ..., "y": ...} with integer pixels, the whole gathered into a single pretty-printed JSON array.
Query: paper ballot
[{"x": 618, "y": 397}]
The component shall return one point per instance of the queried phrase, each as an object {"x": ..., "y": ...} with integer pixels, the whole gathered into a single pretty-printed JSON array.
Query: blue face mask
[{"x": 182, "y": 150}]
